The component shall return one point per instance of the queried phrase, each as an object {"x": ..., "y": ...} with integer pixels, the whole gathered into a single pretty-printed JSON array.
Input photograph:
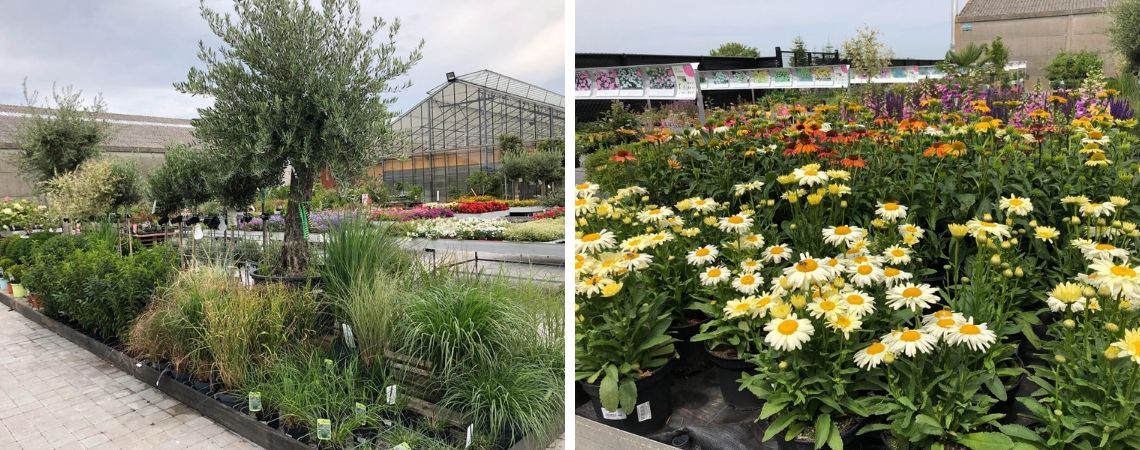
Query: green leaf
[
  {"x": 778, "y": 425},
  {"x": 835, "y": 438},
  {"x": 608, "y": 391},
  {"x": 927, "y": 425},
  {"x": 628, "y": 395},
  {"x": 1020, "y": 432},
  {"x": 986, "y": 441},
  {"x": 822, "y": 430},
  {"x": 772, "y": 407}
]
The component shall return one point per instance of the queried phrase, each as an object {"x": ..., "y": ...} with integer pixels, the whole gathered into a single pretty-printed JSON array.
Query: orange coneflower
[
  {"x": 622, "y": 156},
  {"x": 674, "y": 164},
  {"x": 852, "y": 162}
]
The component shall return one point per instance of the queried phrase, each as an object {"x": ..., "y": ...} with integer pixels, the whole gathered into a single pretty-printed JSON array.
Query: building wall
[{"x": 1037, "y": 40}]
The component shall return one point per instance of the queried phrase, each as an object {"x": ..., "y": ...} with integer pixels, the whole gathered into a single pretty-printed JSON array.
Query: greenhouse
[{"x": 455, "y": 131}]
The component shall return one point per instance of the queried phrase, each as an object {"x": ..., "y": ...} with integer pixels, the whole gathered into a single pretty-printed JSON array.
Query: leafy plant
[
  {"x": 57, "y": 139},
  {"x": 1069, "y": 69},
  {"x": 735, "y": 49}
]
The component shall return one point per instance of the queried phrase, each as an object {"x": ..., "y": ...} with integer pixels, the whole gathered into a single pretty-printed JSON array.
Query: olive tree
[
  {"x": 297, "y": 85},
  {"x": 60, "y": 136},
  {"x": 867, "y": 53}
]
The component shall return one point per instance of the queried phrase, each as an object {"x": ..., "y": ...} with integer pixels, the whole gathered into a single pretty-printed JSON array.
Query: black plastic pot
[
  {"x": 795, "y": 444},
  {"x": 296, "y": 281},
  {"x": 691, "y": 356},
  {"x": 202, "y": 387},
  {"x": 230, "y": 400},
  {"x": 728, "y": 373},
  {"x": 580, "y": 395},
  {"x": 180, "y": 377},
  {"x": 654, "y": 391}
]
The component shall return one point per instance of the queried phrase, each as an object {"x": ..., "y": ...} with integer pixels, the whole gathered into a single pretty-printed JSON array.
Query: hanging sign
[
  {"x": 651, "y": 82},
  {"x": 776, "y": 78}
]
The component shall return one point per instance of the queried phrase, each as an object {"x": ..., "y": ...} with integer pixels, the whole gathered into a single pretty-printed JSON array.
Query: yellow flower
[
  {"x": 780, "y": 310},
  {"x": 958, "y": 230},
  {"x": 611, "y": 289},
  {"x": 1129, "y": 347},
  {"x": 814, "y": 199},
  {"x": 1046, "y": 234}
]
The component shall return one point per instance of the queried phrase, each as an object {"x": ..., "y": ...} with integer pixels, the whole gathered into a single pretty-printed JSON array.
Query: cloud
[{"x": 132, "y": 51}]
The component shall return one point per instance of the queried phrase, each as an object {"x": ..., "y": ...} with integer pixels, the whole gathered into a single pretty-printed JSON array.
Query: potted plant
[
  {"x": 734, "y": 332},
  {"x": 15, "y": 272}
]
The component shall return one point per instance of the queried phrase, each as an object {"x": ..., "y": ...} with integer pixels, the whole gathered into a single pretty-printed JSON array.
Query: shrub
[
  {"x": 1071, "y": 68},
  {"x": 522, "y": 203},
  {"x": 485, "y": 183},
  {"x": 476, "y": 198},
  {"x": 541, "y": 230},
  {"x": 96, "y": 188},
  {"x": 553, "y": 199}
]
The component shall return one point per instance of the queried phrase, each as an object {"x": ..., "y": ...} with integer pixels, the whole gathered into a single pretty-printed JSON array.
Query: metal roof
[
  {"x": 988, "y": 10},
  {"x": 128, "y": 132}
]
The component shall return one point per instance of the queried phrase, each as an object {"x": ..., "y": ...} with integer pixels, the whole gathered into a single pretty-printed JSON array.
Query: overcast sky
[
  {"x": 912, "y": 28},
  {"x": 132, "y": 51}
]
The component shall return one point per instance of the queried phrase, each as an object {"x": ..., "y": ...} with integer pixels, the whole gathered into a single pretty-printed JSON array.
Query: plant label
[
  {"x": 613, "y": 415},
  {"x": 254, "y": 401},
  {"x": 402, "y": 446},
  {"x": 470, "y": 434},
  {"x": 390, "y": 394},
  {"x": 324, "y": 429},
  {"x": 644, "y": 412},
  {"x": 198, "y": 231},
  {"x": 361, "y": 409},
  {"x": 349, "y": 339}
]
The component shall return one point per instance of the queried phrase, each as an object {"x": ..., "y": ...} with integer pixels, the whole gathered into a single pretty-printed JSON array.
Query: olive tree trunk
[{"x": 295, "y": 251}]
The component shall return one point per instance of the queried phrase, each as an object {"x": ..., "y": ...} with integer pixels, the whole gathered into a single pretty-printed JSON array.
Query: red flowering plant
[{"x": 481, "y": 207}]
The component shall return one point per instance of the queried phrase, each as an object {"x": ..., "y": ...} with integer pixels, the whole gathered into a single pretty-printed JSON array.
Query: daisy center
[
  {"x": 891, "y": 272},
  {"x": 713, "y": 273},
  {"x": 788, "y": 327},
  {"x": 827, "y": 305},
  {"x": 634, "y": 242},
  {"x": 631, "y": 256},
  {"x": 776, "y": 250},
  {"x": 854, "y": 300},
  {"x": 747, "y": 280},
  {"x": 1123, "y": 271},
  {"x": 942, "y": 314},
  {"x": 985, "y": 224},
  {"x": 843, "y": 322},
  {"x": 591, "y": 237},
  {"x": 702, "y": 252},
  {"x": 1015, "y": 202},
  {"x": 898, "y": 253},
  {"x": 911, "y": 292},
  {"x": 842, "y": 230},
  {"x": 580, "y": 202},
  {"x": 807, "y": 265},
  {"x": 969, "y": 329},
  {"x": 892, "y": 206},
  {"x": 910, "y": 336},
  {"x": 741, "y": 307},
  {"x": 736, "y": 220},
  {"x": 582, "y": 186},
  {"x": 945, "y": 323},
  {"x": 1105, "y": 247},
  {"x": 811, "y": 173},
  {"x": 654, "y": 212},
  {"x": 876, "y": 348}
]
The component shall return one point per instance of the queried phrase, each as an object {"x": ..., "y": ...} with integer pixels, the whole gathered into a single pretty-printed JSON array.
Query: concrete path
[{"x": 55, "y": 395}]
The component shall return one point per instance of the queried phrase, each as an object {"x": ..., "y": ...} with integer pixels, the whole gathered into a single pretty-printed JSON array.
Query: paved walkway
[{"x": 55, "y": 395}]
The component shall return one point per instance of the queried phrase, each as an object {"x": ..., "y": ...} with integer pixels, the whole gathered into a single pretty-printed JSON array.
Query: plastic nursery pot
[
  {"x": 17, "y": 290},
  {"x": 4, "y": 284},
  {"x": 800, "y": 443},
  {"x": 691, "y": 356},
  {"x": 654, "y": 403},
  {"x": 729, "y": 370}
]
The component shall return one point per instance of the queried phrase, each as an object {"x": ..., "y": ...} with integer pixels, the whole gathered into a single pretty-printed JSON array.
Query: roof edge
[{"x": 1033, "y": 15}]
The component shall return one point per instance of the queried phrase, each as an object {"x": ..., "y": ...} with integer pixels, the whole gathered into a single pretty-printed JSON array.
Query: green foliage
[
  {"x": 1123, "y": 31},
  {"x": 542, "y": 230},
  {"x": 181, "y": 181},
  {"x": 1069, "y": 69},
  {"x": 485, "y": 183},
  {"x": 867, "y": 54},
  {"x": 301, "y": 85},
  {"x": 735, "y": 49},
  {"x": 99, "y": 290},
  {"x": 58, "y": 139},
  {"x": 355, "y": 251},
  {"x": 305, "y": 386},
  {"x": 96, "y": 188},
  {"x": 544, "y": 167},
  {"x": 800, "y": 53}
]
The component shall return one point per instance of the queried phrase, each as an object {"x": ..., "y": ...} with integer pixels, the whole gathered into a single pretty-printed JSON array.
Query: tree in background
[
  {"x": 800, "y": 53},
  {"x": 301, "y": 85},
  {"x": 97, "y": 187},
  {"x": 867, "y": 54},
  {"x": 181, "y": 181},
  {"x": 1069, "y": 69},
  {"x": 998, "y": 56},
  {"x": 484, "y": 182},
  {"x": 966, "y": 61},
  {"x": 59, "y": 137},
  {"x": 1124, "y": 31},
  {"x": 735, "y": 49}
]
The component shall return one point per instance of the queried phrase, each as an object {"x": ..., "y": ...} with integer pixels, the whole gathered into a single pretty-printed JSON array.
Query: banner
[
  {"x": 900, "y": 74},
  {"x": 653, "y": 82},
  {"x": 775, "y": 78}
]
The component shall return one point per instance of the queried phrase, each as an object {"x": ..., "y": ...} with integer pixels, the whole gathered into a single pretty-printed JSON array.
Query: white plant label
[
  {"x": 470, "y": 434},
  {"x": 349, "y": 339},
  {"x": 390, "y": 394},
  {"x": 197, "y": 231},
  {"x": 402, "y": 446},
  {"x": 644, "y": 412},
  {"x": 222, "y": 227},
  {"x": 613, "y": 415},
  {"x": 361, "y": 409}
]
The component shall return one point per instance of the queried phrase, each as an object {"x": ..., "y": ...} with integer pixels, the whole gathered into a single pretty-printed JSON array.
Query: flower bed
[
  {"x": 418, "y": 213},
  {"x": 885, "y": 259},
  {"x": 481, "y": 207},
  {"x": 461, "y": 228}
]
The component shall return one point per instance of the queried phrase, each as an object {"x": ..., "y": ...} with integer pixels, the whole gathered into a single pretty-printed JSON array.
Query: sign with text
[{"x": 653, "y": 82}]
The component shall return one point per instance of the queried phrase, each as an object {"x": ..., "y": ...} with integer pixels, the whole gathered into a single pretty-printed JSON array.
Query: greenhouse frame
[{"x": 455, "y": 131}]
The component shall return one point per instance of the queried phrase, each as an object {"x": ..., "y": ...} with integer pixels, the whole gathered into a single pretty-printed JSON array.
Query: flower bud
[
  {"x": 1005, "y": 245},
  {"x": 1060, "y": 358},
  {"x": 1104, "y": 291},
  {"x": 1018, "y": 272},
  {"x": 1014, "y": 240},
  {"x": 1075, "y": 220},
  {"x": 996, "y": 259},
  {"x": 1088, "y": 291},
  {"x": 889, "y": 358},
  {"x": 1007, "y": 273},
  {"x": 1111, "y": 327},
  {"x": 965, "y": 280},
  {"x": 1069, "y": 323},
  {"x": 843, "y": 204},
  {"x": 783, "y": 365}
]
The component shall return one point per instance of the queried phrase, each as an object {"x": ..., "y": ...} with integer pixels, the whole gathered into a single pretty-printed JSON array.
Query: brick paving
[{"x": 55, "y": 395}]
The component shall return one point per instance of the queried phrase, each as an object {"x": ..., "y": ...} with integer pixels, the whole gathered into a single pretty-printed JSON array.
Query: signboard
[
  {"x": 900, "y": 74},
  {"x": 776, "y": 78},
  {"x": 653, "y": 82}
]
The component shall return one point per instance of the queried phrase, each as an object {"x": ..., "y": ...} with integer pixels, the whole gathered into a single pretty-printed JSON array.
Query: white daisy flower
[
  {"x": 897, "y": 255},
  {"x": 910, "y": 342},
  {"x": 810, "y": 175},
  {"x": 659, "y": 238},
  {"x": 776, "y": 254},
  {"x": 890, "y": 211},
  {"x": 586, "y": 189},
  {"x": 807, "y": 272},
  {"x": 635, "y": 261},
  {"x": 715, "y": 275},
  {"x": 1018, "y": 206},
  {"x": 1119, "y": 279},
  {"x": 911, "y": 296},
  {"x": 976, "y": 336},
  {"x": 843, "y": 235},
  {"x": 702, "y": 255},
  {"x": 824, "y": 307},
  {"x": 743, "y": 188},
  {"x": 594, "y": 242},
  {"x": 1066, "y": 296},
  {"x": 845, "y": 323},
  {"x": 705, "y": 205},
  {"x": 857, "y": 303},
  {"x": 866, "y": 274},
  {"x": 978, "y": 228},
  {"x": 1101, "y": 250},
  {"x": 654, "y": 215},
  {"x": 908, "y": 229},
  {"x": 737, "y": 223},
  {"x": 1095, "y": 209},
  {"x": 739, "y": 307},
  {"x": 871, "y": 356},
  {"x": 789, "y": 333},
  {"x": 747, "y": 283},
  {"x": 751, "y": 241},
  {"x": 635, "y": 243},
  {"x": 893, "y": 276},
  {"x": 584, "y": 206},
  {"x": 750, "y": 265}
]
